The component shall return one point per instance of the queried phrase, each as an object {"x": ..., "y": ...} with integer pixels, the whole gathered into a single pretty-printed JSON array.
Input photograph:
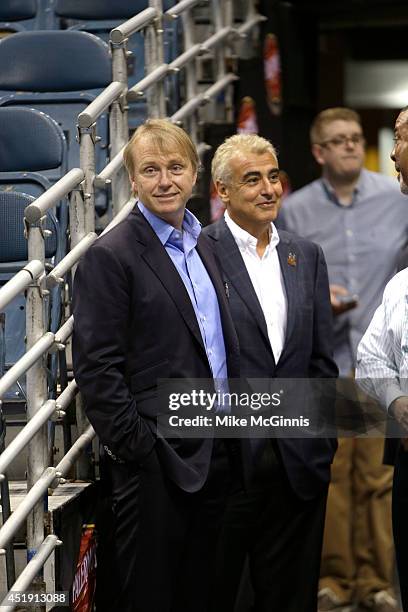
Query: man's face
[
  {"x": 252, "y": 196},
  {"x": 341, "y": 150},
  {"x": 163, "y": 181},
  {"x": 399, "y": 154}
]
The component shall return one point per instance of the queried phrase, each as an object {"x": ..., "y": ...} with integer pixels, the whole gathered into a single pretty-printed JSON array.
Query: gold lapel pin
[{"x": 292, "y": 259}]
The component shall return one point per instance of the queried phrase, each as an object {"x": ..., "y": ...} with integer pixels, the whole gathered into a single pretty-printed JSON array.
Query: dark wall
[{"x": 296, "y": 29}]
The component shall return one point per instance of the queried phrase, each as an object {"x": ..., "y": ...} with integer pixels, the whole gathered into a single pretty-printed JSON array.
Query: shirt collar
[
  {"x": 358, "y": 189},
  {"x": 245, "y": 240},
  {"x": 164, "y": 230}
]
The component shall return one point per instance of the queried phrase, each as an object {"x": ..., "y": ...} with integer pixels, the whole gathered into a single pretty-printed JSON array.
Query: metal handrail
[
  {"x": 175, "y": 11},
  {"x": 25, "y": 435},
  {"x": 34, "y": 495},
  {"x": 63, "y": 401},
  {"x": 192, "y": 105},
  {"x": 29, "y": 430},
  {"x": 65, "y": 331},
  {"x": 105, "y": 176},
  {"x": 246, "y": 27},
  {"x": 98, "y": 106},
  {"x": 133, "y": 25},
  {"x": 188, "y": 108},
  {"x": 20, "y": 281},
  {"x": 121, "y": 215},
  {"x": 31, "y": 570},
  {"x": 217, "y": 38},
  {"x": 154, "y": 77},
  {"x": 55, "y": 277},
  {"x": 76, "y": 449},
  {"x": 53, "y": 195},
  {"x": 49, "y": 478},
  {"x": 25, "y": 362},
  {"x": 185, "y": 57},
  {"x": 218, "y": 86}
]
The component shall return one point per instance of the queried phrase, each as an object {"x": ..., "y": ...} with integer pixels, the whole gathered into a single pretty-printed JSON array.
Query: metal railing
[{"x": 80, "y": 185}]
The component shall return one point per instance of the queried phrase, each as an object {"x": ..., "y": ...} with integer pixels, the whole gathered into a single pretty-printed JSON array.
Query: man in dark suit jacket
[
  {"x": 279, "y": 300},
  {"x": 149, "y": 304}
]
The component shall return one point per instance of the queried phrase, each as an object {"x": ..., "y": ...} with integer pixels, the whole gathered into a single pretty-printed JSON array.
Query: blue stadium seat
[
  {"x": 33, "y": 150},
  {"x": 102, "y": 9},
  {"x": 13, "y": 244},
  {"x": 13, "y": 256},
  {"x": 100, "y": 16},
  {"x": 17, "y": 15},
  {"x": 59, "y": 73},
  {"x": 15, "y": 10},
  {"x": 33, "y": 156}
]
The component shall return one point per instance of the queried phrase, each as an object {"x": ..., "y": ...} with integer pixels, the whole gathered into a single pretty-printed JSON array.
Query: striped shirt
[{"x": 382, "y": 356}]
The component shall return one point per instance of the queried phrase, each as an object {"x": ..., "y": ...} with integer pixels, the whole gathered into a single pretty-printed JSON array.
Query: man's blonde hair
[
  {"x": 166, "y": 137},
  {"x": 239, "y": 143},
  {"x": 328, "y": 116}
]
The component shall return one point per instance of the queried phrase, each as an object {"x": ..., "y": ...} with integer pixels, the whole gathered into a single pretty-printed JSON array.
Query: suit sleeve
[
  {"x": 101, "y": 307},
  {"x": 322, "y": 364}
]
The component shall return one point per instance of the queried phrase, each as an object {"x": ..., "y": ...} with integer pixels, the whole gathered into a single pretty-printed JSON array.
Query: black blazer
[
  {"x": 134, "y": 323},
  {"x": 307, "y": 351}
]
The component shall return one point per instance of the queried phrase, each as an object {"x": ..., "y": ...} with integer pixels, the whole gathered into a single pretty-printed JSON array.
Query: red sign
[{"x": 83, "y": 587}]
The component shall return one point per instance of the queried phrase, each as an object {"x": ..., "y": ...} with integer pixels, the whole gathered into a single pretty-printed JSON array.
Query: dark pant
[
  {"x": 164, "y": 538},
  {"x": 280, "y": 535},
  {"x": 400, "y": 521}
]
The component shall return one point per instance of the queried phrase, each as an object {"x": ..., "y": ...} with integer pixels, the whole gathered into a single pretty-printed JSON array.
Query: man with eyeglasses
[{"x": 360, "y": 220}]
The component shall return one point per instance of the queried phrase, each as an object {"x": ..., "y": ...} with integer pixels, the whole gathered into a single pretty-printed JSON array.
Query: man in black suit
[
  {"x": 148, "y": 304},
  {"x": 279, "y": 300}
]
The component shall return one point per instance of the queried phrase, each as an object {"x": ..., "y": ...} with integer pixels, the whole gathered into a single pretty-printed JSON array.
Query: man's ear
[
  {"x": 223, "y": 192},
  {"x": 133, "y": 185},
  {"x": 317, "y": 151}
]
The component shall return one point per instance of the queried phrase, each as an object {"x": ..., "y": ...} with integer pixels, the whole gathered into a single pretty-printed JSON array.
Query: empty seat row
[{"x": 98, "y": 17}]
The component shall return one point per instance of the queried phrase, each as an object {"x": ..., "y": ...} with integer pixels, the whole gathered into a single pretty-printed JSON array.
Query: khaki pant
[{"x": 358, "y": 555}]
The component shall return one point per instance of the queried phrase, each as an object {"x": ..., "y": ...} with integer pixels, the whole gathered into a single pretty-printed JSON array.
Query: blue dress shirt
[{"x": 181, "y": 248}]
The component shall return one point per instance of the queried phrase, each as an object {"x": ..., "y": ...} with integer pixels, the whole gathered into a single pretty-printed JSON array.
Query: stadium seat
[
  {"x": 13, "y": 256},
  {"x": 33, "y": 156},
  {"x": 59, "y": 73},
  {"x": 33, "y": 150},
  {"x": 100, "y": 16},
  {"x": 17, "y": 15}
]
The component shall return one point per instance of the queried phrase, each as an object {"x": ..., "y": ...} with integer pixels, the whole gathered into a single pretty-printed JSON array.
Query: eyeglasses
[{"x": 339, "y": 141}]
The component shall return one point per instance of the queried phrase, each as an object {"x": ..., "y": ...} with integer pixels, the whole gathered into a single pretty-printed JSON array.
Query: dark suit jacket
[
  {"x": 308, "y": 345},
  {"x": 134, "y": 323}
]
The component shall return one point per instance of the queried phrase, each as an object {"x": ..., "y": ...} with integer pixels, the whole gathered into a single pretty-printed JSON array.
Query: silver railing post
[
  {"x": 36, "y": 380},
  {"x": 228, "y": 9},
  {"x": 118, "y": 125},
  {"x": 217, "y": 108},
  {"x": 76, "y": 216},
  {"x": 251, "y": 35},
  {"x": 191, "y": 72},
  {"x": 155, "y": 96},
  {"x": 87, "y": 142}
]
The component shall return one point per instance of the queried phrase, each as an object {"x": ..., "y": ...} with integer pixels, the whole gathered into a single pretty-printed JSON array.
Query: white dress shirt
[
  {"x": 382, "y": 356},
  {"x": 266, "y": 278}
]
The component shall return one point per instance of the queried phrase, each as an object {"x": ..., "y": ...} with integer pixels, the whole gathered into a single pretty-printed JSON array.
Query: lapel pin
[
  {"x": 226, "y": 290},
  {"x": 292, "y": 259}
]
